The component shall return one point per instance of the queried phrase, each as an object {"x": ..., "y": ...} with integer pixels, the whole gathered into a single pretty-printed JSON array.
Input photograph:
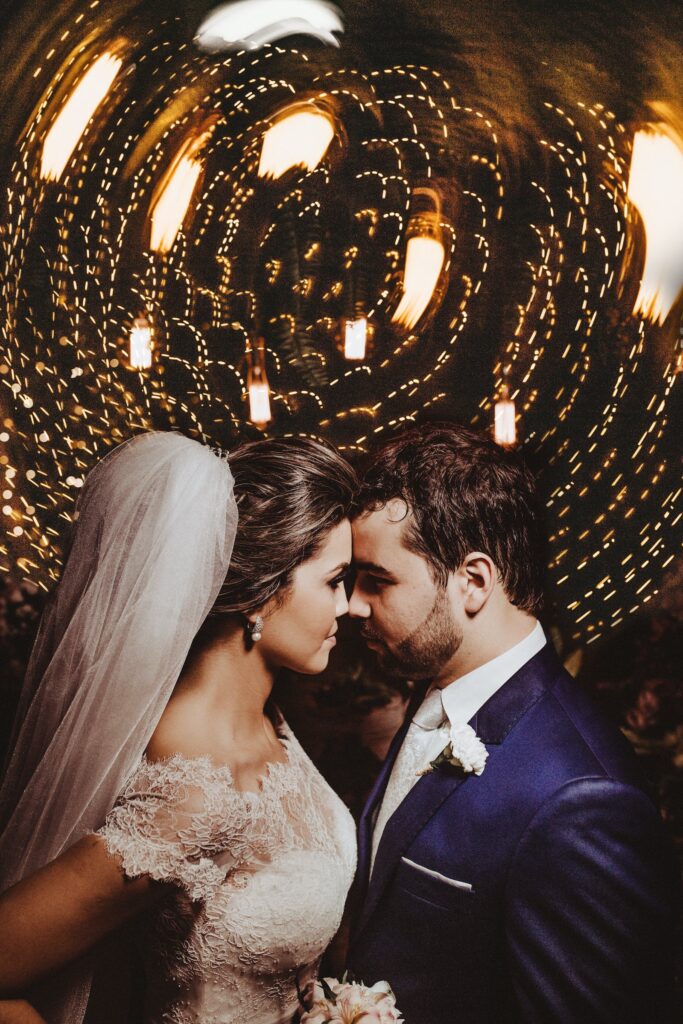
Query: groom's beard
[{"x": 424, "y": 652}]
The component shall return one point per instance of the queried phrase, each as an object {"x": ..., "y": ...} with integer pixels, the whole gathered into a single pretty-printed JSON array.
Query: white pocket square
[{"x": 436, "y": 874}]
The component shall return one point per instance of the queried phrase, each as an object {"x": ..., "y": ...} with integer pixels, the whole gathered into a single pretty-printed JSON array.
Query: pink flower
[{"x": 351, "y": 1004}]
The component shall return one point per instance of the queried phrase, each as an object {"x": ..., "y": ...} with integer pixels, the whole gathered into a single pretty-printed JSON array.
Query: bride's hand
[{"x": 18, "y": 1011}]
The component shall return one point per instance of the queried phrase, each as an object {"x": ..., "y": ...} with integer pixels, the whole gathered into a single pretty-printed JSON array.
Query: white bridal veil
[{"x": 155, "y": 528}]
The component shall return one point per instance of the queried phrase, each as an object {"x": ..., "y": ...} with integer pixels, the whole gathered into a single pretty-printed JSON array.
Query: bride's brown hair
[{"x": 290, "y": 493}]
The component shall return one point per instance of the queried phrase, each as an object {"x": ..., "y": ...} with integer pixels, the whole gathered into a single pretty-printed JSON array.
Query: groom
[{"x": 526, "y": 877}]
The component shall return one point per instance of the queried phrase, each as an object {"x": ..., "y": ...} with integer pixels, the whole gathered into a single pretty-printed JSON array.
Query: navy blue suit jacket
[{"x": 571, "y": 912}]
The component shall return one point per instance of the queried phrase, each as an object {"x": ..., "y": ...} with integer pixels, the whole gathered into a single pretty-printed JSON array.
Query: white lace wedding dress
[{"x": 260, "y": 883}]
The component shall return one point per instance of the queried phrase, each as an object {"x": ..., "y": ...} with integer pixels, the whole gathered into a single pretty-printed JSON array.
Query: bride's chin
[{"x": 316, "y": 664}]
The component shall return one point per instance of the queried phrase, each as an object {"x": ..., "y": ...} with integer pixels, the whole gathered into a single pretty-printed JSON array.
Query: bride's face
[{"x": 299, "y": 633}]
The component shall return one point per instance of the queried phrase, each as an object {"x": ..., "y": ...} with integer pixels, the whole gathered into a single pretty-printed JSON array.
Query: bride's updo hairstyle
[{"x": 290, "y": 493}]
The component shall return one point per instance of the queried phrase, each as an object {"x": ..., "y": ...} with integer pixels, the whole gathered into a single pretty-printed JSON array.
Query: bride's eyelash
[{"x": 334, "y": 583}]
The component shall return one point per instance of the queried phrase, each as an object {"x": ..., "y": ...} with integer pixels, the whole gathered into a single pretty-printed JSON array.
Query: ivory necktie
[{"x": 425, "y": 739}]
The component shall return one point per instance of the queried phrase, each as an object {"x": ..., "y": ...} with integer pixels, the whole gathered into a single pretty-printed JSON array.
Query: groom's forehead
[{"x": 380, "y": 530}]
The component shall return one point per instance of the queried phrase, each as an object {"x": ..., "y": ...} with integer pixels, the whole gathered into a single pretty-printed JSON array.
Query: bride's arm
[
  {"x": 63, "y": 910},
  {"x": 18, "y": 1011}
]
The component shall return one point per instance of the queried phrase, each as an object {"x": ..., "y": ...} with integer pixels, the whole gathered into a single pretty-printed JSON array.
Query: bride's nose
[
  {"x": 341, "y": 606},
  {"x": 358, "y": 606}
]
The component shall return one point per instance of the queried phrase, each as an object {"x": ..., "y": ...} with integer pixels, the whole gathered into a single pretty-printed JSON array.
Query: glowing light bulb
[
  {"x": 140, "y": 357},
  {"x": 355, "y": 338},
  {"x": 73, "y": 118},
  {"x": 424, "y": 260},
  {"x": 259, "y": 403},
  {"x": 249, "y": 24},
  {"x": 505, "y": 427},
  {"x": 655, "y": 187},
  {"x": 259, "y": 397},
  {"x": 172, "y": 197},
  {"x": 299, "y": 139}
]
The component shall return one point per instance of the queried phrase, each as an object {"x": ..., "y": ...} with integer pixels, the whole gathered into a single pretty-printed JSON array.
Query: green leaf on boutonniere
[
  {"x": 446, "y": 757},
  {"x": 329, "y": 994},
  {"x": 443, "y": 758}
]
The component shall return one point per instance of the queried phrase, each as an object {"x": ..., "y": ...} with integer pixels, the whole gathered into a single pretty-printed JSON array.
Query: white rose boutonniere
[{"x": 464, "y": 750}]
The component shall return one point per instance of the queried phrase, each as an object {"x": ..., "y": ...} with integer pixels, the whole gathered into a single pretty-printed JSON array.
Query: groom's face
[{"x": 408, "y": 619}]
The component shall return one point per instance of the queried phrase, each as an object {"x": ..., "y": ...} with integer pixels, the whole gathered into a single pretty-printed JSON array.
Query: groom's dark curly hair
[{"x": 464, "y": 493}]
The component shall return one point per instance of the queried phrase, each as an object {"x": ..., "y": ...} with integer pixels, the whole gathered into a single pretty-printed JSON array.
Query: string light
[{"x": 293, "y": 256}]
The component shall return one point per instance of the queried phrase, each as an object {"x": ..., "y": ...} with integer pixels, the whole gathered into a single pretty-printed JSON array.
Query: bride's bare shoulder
[{"x": 182, "y": 729}]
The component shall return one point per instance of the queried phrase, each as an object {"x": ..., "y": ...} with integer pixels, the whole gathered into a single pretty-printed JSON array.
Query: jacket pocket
[
  {"x": 456, "y": 883},
  {"x": 441, "y": 892}
]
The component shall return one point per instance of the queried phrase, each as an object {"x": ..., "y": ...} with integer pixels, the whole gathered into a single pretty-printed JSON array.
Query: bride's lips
[{"x": 331, "y": 639}]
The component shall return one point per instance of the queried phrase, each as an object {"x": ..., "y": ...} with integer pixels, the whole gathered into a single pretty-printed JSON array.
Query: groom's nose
[{"x": 358, "y": 606}]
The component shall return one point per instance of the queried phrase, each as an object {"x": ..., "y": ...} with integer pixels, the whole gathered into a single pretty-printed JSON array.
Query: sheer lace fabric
[{"x": 260, "y": 883}]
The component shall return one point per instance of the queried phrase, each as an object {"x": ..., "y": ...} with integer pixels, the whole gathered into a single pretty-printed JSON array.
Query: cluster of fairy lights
[{"x": 110, "y": 324}]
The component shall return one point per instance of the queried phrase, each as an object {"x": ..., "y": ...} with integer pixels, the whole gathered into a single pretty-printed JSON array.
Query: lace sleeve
[{"x": 169, "y": 823}]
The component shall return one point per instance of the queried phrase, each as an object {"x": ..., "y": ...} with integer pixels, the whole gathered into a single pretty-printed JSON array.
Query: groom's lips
[{"x": 370, "y": 637}]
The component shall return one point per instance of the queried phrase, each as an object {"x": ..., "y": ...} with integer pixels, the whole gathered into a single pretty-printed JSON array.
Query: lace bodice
[{"x": 260, "y": 883}]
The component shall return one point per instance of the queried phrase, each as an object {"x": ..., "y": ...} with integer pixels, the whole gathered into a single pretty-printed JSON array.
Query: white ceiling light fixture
[
  {"x": 250, "y": 24},
  {"x": 655, "y": 188},
  {"x": 424, "y": 262},
  {"x": 172, "y": 197},
  {"x": 300, "y": 137},
  {"x": 425, "y": 256},
  {"x": 75, "y": 115}
]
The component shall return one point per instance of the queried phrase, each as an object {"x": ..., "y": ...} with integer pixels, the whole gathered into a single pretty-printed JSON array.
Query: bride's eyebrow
[{"x": 342, "y": 567}]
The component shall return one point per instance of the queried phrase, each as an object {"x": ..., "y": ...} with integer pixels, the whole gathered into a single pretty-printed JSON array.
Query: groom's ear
[{"x": 478, "y": 576}]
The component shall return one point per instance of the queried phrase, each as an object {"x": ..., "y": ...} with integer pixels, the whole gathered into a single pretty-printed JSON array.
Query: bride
[{"x": 154, "y": 797}]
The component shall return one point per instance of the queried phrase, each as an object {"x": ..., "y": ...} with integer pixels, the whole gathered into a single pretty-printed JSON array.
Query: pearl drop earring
[{"x": 256, "y": 629}]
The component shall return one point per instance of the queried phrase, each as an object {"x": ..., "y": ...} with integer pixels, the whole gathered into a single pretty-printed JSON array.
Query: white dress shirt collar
[{"x": 463, "y": 697}]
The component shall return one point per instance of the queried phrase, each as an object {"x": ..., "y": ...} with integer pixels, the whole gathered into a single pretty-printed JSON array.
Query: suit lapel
[
  {"x": 501, "y": 712},
  {"x": 492, "y": 723}
]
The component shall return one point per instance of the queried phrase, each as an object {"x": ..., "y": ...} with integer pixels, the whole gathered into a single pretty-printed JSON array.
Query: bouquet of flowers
[{"x": 345, "y": 1002}]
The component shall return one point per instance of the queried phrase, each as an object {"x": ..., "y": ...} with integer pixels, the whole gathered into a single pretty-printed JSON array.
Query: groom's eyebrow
[{"x": 374, "y": 567}]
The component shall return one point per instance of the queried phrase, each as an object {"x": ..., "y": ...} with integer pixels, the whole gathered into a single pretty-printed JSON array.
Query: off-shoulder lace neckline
[{"x": 272, "y": 769}]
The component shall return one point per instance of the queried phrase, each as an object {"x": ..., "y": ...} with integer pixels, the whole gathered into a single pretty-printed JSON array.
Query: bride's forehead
[
  {"x": 335, "y": 547},
  {"x": 338, "y": 540}
]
